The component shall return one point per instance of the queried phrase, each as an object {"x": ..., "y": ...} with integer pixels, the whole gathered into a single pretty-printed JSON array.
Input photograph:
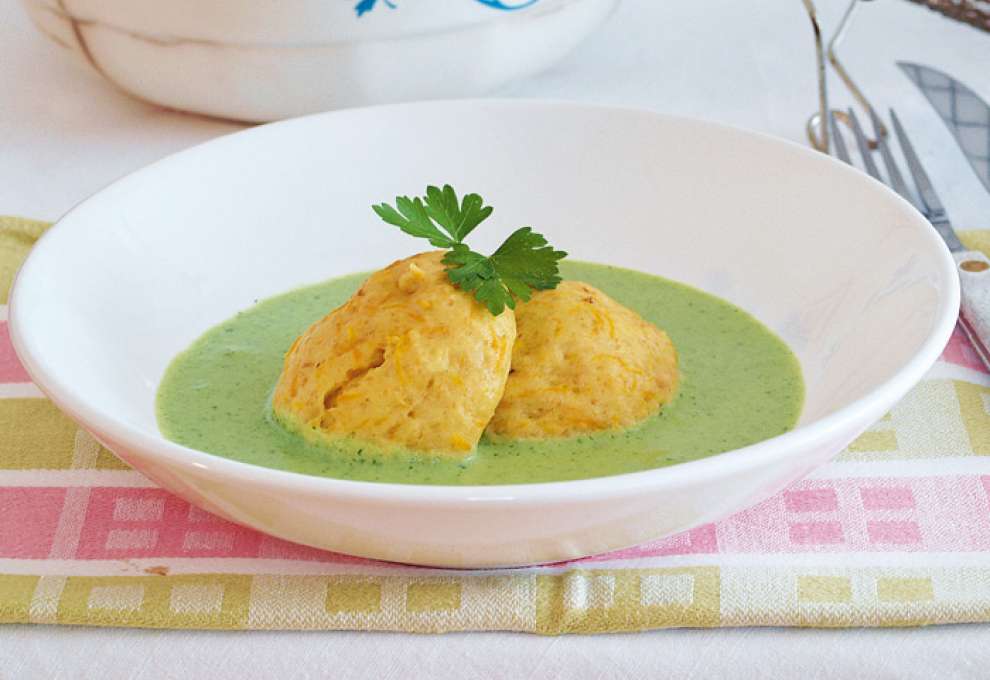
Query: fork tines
[{"x": 927, "y": 201}]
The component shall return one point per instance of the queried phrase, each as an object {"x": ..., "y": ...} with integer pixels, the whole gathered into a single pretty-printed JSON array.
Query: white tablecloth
[{"x": 64, "y": 134}]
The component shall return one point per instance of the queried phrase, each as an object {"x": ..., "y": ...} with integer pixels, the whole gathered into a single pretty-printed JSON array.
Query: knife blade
[
  {"x": 963, "y": 111},
  {"x": 968, "y": 118}
]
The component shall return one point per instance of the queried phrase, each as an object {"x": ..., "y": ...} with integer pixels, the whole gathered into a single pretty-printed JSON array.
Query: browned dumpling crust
[
  {"x": 582, "y": 363},
  {"x": 409, "y": 361}
]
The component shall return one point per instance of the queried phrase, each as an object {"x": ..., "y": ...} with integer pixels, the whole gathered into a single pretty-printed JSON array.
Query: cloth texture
[{"x": 894, "y": 532}]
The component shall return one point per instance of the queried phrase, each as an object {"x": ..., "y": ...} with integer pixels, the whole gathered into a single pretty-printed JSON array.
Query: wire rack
[{"x": 973, "y": 12}]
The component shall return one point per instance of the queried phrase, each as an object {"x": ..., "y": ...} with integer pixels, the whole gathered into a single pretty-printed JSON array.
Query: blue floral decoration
[
  {"x": 508, "y": 6},
  {"x": 365, "y": 6}
]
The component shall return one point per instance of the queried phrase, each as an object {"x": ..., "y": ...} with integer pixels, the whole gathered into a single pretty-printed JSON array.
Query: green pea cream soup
[{"x": 739, "y": 384}]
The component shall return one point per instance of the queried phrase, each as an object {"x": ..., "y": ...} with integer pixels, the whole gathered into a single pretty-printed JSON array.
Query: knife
[
  {"x": 966, "y": 115},
  {"x": 968, "y": 118}
]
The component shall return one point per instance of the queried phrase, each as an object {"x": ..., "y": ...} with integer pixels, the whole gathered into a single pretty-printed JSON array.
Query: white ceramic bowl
[
  {"x": 262, "y": 61},
  {"x": 844, "y": 270}
]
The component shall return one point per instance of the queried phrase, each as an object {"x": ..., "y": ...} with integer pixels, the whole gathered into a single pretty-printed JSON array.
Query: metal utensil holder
[
  {"x": 818, "y": 132},
  {"x": 973, "y": 12}
]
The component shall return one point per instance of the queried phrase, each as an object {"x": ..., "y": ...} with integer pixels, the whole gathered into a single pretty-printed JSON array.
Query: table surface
[{"x": 65, "y": 134}]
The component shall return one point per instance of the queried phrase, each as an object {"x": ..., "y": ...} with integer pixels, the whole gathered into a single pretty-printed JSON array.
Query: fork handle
[{"x": 974, "y": 277}]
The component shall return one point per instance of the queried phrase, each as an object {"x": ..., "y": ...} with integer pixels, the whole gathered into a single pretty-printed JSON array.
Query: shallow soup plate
[{"x": 842, "y": 269}]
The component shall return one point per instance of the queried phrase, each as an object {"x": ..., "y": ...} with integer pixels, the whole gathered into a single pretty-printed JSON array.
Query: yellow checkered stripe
[
  {"x": 579, "y": 601},
  {"x": 961, "y": 410},
  {"x": 52, "y": 442},
  {"x": 17, "y": 235},
  {"x": 938, "y": 418}
]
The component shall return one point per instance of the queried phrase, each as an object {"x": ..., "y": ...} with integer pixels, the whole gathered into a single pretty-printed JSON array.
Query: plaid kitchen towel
[{"x": 894, "y": 532}]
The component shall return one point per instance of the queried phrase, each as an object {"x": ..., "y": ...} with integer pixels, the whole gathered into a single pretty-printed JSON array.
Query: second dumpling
[{"x": 582, "y": 363}]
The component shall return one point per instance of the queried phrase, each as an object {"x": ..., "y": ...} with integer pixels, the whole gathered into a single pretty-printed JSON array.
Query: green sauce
[{"x": 740, "y": 384}]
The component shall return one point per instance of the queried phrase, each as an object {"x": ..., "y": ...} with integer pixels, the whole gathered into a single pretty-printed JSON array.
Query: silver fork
[{"x": 973, "y": 267}]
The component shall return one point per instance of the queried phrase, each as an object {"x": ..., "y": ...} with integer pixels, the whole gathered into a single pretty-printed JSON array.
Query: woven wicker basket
[{"x": 973, "y": 12}]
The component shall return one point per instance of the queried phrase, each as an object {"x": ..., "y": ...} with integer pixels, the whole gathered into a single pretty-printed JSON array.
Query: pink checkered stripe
[
  {"x": 959, "y": 351},
  {"x": 927, "y": 514},
  {"x": 11, "y": 370},
  {"x": 871, "y": 515}
]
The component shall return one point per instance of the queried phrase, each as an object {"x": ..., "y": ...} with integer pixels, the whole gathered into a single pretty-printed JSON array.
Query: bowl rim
[{"x": 107, "y": 426}]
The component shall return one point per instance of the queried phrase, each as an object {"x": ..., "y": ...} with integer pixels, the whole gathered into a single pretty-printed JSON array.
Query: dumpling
[
  {"x": 582, "y": 363},
  {"x": 409, "y": 361}
]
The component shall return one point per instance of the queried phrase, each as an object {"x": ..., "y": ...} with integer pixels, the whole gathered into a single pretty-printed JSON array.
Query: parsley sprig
[{"x": 523, "y": 263}]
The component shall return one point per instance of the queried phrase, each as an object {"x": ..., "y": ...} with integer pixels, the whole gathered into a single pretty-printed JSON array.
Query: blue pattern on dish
[{"x": 365, "y": 6}]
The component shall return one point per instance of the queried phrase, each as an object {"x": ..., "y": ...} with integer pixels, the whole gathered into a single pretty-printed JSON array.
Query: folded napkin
[{"x": 894, "y": 532}]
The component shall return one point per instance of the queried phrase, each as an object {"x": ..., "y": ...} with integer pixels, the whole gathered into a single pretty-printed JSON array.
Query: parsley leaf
[
  {"x": 456, "y": 220},
  {"x": 412, "y": 218},
  {"x": 420, "y": 216},
  {"x": 523, "y": 263},
  {"x": 525, "y": 260},
  {"x": 475, "y": 273}
]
